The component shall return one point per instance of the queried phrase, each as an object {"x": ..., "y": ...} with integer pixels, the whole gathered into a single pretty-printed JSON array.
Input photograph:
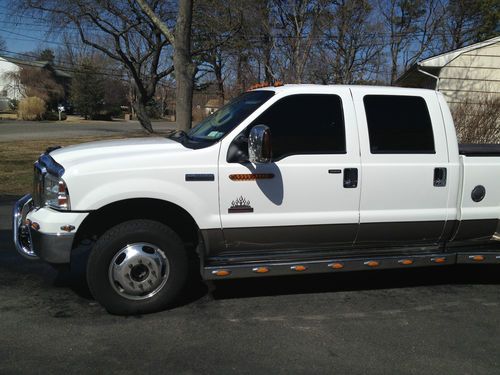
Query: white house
[
  {"x": 469, "y": 74},
  {"x": 8, "y": 87}
]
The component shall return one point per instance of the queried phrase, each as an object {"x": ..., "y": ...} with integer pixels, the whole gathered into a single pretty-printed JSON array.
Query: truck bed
[{"x": 479, "y": 149}]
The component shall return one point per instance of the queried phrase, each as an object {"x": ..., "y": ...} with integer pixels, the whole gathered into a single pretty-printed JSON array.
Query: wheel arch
[{"x": 168, "y": 213}]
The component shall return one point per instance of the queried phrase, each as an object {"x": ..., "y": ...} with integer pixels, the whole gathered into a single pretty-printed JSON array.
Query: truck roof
[{"x": 310, "y": 88}]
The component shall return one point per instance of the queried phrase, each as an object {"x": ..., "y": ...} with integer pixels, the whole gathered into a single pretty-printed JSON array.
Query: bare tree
[
  {"x": 121, "y": 31},
  {"x": 347, "y": 54},
  {"x": 215, "y": 26},
  {"x": 185, "y": 69},
  {"x": 411, "y": 28},
  {"x": 40, "y": 82},
  {"x": 297, "y": 22},
  {"x": 470, "y": 21}
]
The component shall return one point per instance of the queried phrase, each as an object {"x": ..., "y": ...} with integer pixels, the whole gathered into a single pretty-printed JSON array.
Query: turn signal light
[
  {"x": 299, "y": 268},
  {"x": 336, "y": 266},
  {"x": 221, "y": 273},
  {"x": 406, "y": 261},
  {"x": 35, "y": 226},
  {"x": 372, "y": 263},
  {"x": 260, "y": 270},
  {"x": 439, "y": 260},
  {"x": 477, "y": 258}
]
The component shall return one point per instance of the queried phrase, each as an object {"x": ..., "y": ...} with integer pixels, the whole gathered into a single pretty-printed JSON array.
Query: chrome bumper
[
  {"x": 32, "y": 244},
  {"x": 20, "y": 229}
]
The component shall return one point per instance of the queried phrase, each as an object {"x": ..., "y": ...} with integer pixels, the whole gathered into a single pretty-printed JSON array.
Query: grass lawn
[{"x": 17, "y": 158}]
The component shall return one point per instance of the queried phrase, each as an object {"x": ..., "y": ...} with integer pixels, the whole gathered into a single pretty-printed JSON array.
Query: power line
[
  {"x": 72, "y": 69},
  {"x": 66, "y": 65}
]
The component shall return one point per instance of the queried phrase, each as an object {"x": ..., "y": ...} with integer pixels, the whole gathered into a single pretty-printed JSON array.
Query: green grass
[{"x": 17, "y": 158}]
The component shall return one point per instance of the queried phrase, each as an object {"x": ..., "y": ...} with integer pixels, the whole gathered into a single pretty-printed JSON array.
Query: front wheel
[{"x": 136, "y": 267}]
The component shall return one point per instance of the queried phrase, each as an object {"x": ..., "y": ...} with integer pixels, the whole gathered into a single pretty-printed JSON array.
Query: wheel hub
[
  {"x": 139, "y": 273},
  {"x": 139, "y": 270}
]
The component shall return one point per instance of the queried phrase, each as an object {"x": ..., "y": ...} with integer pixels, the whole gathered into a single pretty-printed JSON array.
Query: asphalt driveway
[{"x": 417, "y": 321}]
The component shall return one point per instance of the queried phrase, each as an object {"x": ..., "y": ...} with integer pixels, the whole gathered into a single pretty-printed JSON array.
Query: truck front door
[{"x": 308, "y": 196}]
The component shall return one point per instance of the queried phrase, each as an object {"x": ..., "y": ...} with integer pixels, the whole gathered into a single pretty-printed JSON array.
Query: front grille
[{"x": 37, "y": 186}]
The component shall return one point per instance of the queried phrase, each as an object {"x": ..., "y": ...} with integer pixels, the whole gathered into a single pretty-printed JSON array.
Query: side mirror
[{"x": 259, "y": 144}]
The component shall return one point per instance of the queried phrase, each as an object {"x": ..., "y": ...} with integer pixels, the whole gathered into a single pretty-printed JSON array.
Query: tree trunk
[
  {"x": 142, "y": 115},
  {"x": 220, "y": 83},
  {"x": 184, "y": 67}
]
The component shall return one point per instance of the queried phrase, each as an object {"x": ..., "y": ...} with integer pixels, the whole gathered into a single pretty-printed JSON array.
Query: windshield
[{"x": 229, "y": 116}]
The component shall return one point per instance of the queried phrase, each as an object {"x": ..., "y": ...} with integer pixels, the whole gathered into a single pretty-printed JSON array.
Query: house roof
[
  {"x": 443, "y": 59},
  {"x": 61, "y": 72},
  {"x": 413, "y": 78}
]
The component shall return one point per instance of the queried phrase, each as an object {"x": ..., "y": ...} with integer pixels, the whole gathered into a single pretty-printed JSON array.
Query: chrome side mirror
[{"x": 259, "y": 144}]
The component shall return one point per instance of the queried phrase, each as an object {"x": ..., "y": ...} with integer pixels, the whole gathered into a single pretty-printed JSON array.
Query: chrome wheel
[{"x": 139, "y": 271}]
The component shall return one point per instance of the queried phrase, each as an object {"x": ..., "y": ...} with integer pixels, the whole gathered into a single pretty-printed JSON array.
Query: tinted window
[
  {"x": 229, "y": 116},
  {"x": 398, "y": 125},
  {"x": 305, "y": 124}
]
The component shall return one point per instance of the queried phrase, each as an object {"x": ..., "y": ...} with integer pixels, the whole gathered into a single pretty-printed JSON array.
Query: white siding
[
  {"x": 7, "y": 84},
  {"x": 472, "y": 76}
]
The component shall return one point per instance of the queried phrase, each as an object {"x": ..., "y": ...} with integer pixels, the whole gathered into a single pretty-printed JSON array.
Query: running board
[{"x": 237, "y": 271}]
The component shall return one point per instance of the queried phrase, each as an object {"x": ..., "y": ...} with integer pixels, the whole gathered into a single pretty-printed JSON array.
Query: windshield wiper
[{"x": 179, "y": 136}]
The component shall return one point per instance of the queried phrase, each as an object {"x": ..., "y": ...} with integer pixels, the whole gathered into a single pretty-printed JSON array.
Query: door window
[
  {"x": 305, "y": 124},
  {"x": 398, "y": 125}
]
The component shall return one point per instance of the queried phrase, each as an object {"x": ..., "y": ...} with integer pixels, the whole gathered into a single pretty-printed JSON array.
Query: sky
[{"x": 23, "y": 34}]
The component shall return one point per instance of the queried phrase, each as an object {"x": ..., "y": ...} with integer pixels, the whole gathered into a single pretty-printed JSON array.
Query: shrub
[
  {"x": 54, "y": 116},
  {"x": 477, "y": 122},
  {"x": 31, "y": 108}
]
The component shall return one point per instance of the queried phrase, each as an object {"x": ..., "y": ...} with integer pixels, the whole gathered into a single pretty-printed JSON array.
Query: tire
[{"x": 137, "y": 267}]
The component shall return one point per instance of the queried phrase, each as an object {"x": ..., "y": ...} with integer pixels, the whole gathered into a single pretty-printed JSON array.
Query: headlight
[{"x": 55, "y": 193}]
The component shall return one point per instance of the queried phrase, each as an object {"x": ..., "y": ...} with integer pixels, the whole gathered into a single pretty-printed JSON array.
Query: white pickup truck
[{"x": 297, "y": 179}]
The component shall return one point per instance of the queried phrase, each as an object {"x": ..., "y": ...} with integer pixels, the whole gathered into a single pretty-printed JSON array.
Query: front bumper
[{"x": 33, "y": 244}]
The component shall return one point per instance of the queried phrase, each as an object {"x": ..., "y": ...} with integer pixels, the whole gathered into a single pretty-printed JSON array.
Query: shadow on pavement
[{"x": 14, "y": 267}]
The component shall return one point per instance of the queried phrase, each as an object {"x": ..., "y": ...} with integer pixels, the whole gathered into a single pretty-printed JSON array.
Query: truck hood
[{"x": 122, "y": 149}]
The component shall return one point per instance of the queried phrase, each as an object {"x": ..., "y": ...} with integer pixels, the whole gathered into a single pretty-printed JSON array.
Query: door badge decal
[{"x": 240, "y": 205}]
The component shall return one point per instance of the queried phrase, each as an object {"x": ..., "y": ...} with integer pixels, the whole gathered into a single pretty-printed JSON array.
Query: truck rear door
[{"x": 404, "y": 158}]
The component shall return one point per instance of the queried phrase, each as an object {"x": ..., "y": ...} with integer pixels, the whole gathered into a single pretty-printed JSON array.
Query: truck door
[
  {"x": 404, "y": 159},
  {"x": 308, "y": 196}
]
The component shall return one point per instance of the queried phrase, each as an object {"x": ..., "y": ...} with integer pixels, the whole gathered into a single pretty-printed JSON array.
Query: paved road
[
  {"x": 419, "y": 321},
  {"x": 27, "y": 130}
]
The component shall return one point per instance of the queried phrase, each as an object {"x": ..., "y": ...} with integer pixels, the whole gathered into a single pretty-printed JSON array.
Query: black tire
[{"x": 112, "y": 242}]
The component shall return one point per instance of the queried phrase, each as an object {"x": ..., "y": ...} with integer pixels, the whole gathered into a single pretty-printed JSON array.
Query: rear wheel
[{"x": 138, "y": 266}]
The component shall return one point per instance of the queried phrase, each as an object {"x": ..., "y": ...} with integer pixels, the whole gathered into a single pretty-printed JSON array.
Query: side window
[
  {"x": 398, "y": 125},
  {"x": 305, "y": 124}
]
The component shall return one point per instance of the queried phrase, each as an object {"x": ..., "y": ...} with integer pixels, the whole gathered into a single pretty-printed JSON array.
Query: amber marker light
[
  {"x": 477, "y": 258},
  {"x": 336, "y": 266},
  {"x": 250, "y": 176},
  {"x": 406, "y": 262},
  {"x": 299, "y": 268},
  {"x": 35, "y": 226},
  {"x": 260, "y": 270},
  {"x": 221, "y": 273},
  {"x": 372, "y": 263},
  {"x": 439, "y": 260}
]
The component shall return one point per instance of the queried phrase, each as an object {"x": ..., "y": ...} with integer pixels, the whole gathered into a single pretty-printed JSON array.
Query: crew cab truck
[{"x": 296, "y": 179}]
